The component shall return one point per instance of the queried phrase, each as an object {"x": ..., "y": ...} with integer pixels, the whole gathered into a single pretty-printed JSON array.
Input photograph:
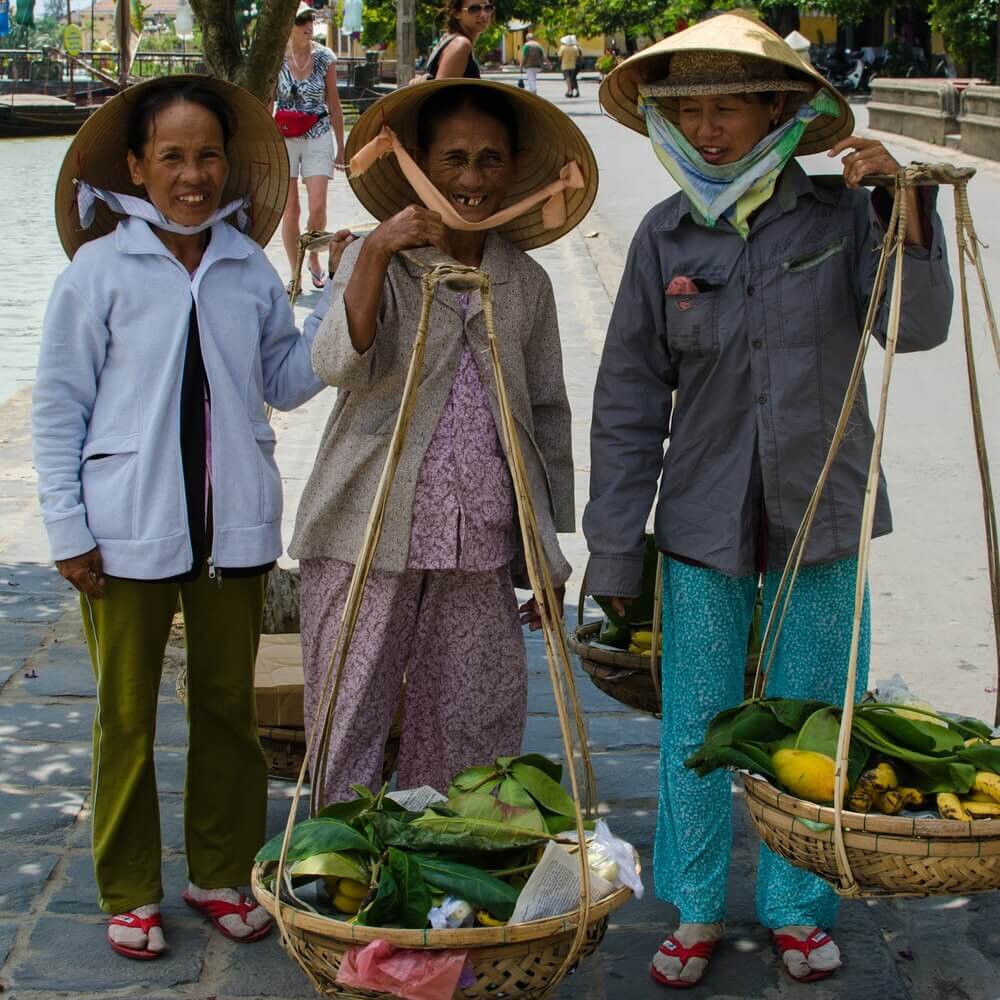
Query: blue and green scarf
[{"x": 732, "y": 190}]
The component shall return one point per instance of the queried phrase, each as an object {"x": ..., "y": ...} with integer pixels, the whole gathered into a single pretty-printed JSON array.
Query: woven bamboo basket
[
  {"x": 518, "y": 960},
  {"x": 522, "y": 960},
  {"x": 874, "y": 855}
]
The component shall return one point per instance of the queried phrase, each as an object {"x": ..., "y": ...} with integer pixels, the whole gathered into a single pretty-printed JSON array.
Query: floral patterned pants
[
  {"x": 456, "y": 638},
  {"x": 706, "y": 621}
]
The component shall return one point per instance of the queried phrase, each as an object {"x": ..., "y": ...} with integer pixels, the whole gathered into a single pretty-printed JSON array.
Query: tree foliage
[{"x": 969, "y": 28}]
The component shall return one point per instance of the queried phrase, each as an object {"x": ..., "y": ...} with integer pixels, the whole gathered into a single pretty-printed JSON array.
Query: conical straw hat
[
  {"x": 258, "y": 162},
  {"x": 548, "y": 140},
  {"x": 727, "y": 54}
]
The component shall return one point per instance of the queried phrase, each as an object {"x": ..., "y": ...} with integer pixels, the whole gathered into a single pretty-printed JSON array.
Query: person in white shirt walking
[{"x": 532, "y": 61}]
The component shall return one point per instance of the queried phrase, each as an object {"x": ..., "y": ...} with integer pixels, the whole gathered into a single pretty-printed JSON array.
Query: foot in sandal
[
  {"x": 807, "y": 951},
  {"x": 236, "y": 916},
  {"x": 681, "y": 961},
  {"x": 138, "y": 933}
]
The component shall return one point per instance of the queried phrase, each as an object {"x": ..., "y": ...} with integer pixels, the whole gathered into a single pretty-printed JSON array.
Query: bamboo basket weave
[
  {"x": 874, "y": 855},
  {"x": 521, "y": 960}
]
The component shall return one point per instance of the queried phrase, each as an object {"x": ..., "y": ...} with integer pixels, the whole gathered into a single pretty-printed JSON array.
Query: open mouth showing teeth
[
  {"x": 471, "y": 202},
  {"x": 192, "y": 199}
]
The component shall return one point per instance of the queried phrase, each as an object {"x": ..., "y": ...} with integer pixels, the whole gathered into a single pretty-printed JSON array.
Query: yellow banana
[
  {"x": 988, "y": 783},
  {"x": 483, "y": 918},
  {"x": 861, "y": 800},
  {"x": 981, "y": 809},
  {"x": 950, "y": 807},
  {"x": 975, "y": 796},
  {"x": 890, "y": 802},
  {"x": 912, "y": 797},
  {"x": 352, "y": 889},
  {"x": 346, "y": 904},
  {"x": 879, "y": 779},
  {"x": 644, "y": 639}
]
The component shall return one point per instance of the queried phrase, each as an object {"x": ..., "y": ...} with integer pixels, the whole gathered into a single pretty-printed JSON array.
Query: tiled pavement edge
[{"x": 52, "y": 935}]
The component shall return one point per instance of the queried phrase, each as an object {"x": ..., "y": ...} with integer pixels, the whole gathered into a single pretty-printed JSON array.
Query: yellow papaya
[{"x": 805, "y": 773}]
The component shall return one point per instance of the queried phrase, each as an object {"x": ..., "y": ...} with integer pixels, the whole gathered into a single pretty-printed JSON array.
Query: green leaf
[
  {"x": 316, "y": 836},
  {"x": 550, "y": 767},
  {"x": 482, "y": 805},
  {"x": 457, "y": 832},
  {"x": 384, "y": 908},
  {"x": 346, "y": 811},
  {"x": 414, "y": 898},
  {"x": 560, "y": 824},
  {"x": 820, "y": 733},
  {"x": 472, "y": 777},
  {"x": 924, "y": 737},
  {"x": 471, "y": 884},
  {"x": 984, "y": 757},
  {"x": 547, "y": 793},
  {"x": 339, "y": 865},
  {"x": 511, "y": 793}
]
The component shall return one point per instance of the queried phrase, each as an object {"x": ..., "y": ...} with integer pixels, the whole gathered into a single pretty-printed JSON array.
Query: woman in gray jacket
[
  {"x": 439, "y": 605},
  {"x": 164, "y": 341},
  {"x": 734, "y": 334}
]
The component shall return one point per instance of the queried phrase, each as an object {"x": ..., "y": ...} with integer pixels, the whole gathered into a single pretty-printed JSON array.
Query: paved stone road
[{"x": 51, "y": 933}]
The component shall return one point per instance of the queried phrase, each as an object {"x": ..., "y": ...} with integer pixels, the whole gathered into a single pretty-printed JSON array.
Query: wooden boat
[{"x": 25, "y": 115}]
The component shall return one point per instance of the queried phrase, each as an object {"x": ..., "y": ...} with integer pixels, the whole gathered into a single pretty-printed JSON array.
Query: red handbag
[{"x": 294, "y": 124}]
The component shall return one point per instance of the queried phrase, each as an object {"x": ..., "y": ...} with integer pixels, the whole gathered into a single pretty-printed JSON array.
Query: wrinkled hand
[
  {"x": 530, "y": 614},
  {"x": 415, "y": 226},
  {"x": 342, "y": 239},
  {"x": 617, "y": 604},
  {"x": 869, "y": 157},
  {"x": 85, "y": 572}
]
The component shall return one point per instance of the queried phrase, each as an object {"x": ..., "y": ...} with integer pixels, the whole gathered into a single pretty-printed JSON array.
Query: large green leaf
[
  {"x": 474, "y": 777},
  {"x": 384, "y": 908},
  {"x": 339, "y": 865},
  {"x": 431, "y": 832},
  {"x": 346, "y": 811},
  {"x": 482, "y": 805},
  {"x": 511, "y": 793},
  {"x": 414, "y": 898},
  {"x": 547, "y": 793},
  {"x": 316, "y": 836},
  {"x": 820, "y": 733},
  {"x": 471, "y": 884},
  {"x": 551, "y": 767},
  {"x": 924, "y": 737},
  {"x": 984, "y": 756}
]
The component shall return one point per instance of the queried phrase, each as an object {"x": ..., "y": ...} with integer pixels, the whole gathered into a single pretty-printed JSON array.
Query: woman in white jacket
[{"x": 164, "y": 341}]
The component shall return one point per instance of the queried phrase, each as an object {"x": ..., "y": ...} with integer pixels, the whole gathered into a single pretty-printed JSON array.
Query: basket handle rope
[
  {"x": 893, "y": 244},
  {"x": 557, "y": 654}
]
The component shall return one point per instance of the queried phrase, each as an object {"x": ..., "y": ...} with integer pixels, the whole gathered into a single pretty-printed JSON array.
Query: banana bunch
[
  {"x": 346, "y": 893},
  {"x": 981, "y": 802},
  {"x": 642, "y": 643},
  {"x": 878, "y": 790}
]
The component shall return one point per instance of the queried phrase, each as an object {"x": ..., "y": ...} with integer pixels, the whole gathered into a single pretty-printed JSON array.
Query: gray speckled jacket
[{"x": 760, "y": 359}]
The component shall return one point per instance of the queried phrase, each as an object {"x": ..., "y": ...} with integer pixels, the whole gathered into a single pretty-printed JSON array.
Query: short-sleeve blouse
[{"x": 308, "y": 95}]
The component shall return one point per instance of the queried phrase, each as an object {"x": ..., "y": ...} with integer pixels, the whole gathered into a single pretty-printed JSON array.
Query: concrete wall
[
  {"x": 980, "y": 121},
  {"x": 921, "y": 109}
]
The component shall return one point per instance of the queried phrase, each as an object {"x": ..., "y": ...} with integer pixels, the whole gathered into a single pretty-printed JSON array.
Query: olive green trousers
[{"x": 225, "y": 792}]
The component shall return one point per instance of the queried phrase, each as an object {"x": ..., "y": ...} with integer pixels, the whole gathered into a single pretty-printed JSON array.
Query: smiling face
[
  {"x": 724, "y": 128},
  {"x": 473, "y": 22},
  {"x": 183, "y": 165},
  {"x": 470, "y": 161}
]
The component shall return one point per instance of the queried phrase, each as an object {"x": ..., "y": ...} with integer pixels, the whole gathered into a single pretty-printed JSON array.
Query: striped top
[{"x": 307, "y": 95}]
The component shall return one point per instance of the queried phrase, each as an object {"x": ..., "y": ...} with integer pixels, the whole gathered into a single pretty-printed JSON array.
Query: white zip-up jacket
[{"x": 109, "y": 385}]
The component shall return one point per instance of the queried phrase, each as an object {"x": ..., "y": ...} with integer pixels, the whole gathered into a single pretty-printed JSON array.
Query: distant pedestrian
[
  {"x": 164, "y": 341},
  {"x": 532, "y": 60},
  {"x": 571, "y": 62}
]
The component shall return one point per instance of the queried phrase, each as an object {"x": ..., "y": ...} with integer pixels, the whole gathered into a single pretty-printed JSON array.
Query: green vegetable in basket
[
  {"x": 618, "y": 636},
  {"x": 638, "y": 611}
]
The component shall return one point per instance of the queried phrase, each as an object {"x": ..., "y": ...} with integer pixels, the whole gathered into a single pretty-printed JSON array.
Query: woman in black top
[{"x": 453, "y": 55}]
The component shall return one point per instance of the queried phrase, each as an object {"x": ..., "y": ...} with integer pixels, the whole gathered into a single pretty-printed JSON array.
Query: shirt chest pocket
[
  {"x": 814, "y": 294},
  {"x": 693, "y": 319}
]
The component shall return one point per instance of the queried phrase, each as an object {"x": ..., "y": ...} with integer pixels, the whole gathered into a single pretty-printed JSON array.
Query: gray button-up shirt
[{"x": 760, "y": 357}]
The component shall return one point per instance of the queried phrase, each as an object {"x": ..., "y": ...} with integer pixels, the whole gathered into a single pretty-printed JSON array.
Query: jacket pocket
[
  {"x": 814, "y": 294},
  {"x": 693, "y": 323},
  {"x": 270, "y": 478},
  {"x": 109, "y": 479}
]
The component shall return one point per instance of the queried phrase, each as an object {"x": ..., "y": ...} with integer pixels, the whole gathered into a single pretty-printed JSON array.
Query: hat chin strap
[
  {"x": 553, "y": 195},
  {"x": 128, "y": 204}
]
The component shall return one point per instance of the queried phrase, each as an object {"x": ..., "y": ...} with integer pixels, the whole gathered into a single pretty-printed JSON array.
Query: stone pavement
[{"x": 51, "y": 932}]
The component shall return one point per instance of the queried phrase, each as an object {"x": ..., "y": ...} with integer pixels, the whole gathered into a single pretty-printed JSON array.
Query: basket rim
[
  {"x": 471, "y": 937},
  {"x": 579, "y": 642},
  {"x": 902, "y": 827}
]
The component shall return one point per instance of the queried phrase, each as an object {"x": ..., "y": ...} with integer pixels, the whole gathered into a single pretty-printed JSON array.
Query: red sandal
[
  {"x": 817, "y": 938},
  {"x": 133, "y": 921},
  {"x": 672, "y": 948},
  {"x": 216, "y": 909}
]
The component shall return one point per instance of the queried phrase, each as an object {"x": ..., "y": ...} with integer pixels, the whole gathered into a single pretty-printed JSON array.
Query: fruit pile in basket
[
  {"x": 461, "y": 860},
  {"x": 900, "y": 758}
]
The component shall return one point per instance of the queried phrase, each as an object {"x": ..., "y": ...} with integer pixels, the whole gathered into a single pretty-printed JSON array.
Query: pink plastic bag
[{"x": 407, "y": 973}]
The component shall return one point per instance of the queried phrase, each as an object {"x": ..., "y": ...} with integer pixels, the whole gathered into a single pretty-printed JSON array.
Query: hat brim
[
  {"x": 548, "y": 139},
  {"x": 739, "y": 33},
  {"x": 257, "y": 155}
]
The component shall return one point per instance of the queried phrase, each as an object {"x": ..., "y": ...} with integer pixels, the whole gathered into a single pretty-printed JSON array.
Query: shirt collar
[{"x": 136, "y": 236}]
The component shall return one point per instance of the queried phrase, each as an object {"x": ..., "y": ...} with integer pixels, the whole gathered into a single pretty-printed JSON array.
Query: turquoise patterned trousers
[{"x": 706, "y": 622}]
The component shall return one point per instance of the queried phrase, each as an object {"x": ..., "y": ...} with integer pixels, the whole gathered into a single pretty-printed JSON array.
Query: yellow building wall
[
  {"x": 513, "y": 40},
  {"x": 820, "y": 29}
]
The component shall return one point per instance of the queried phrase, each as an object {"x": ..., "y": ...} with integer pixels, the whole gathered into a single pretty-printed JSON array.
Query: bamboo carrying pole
[
  {"x": 915, "y": 175},
  {"x": 441, "y": 270}
]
